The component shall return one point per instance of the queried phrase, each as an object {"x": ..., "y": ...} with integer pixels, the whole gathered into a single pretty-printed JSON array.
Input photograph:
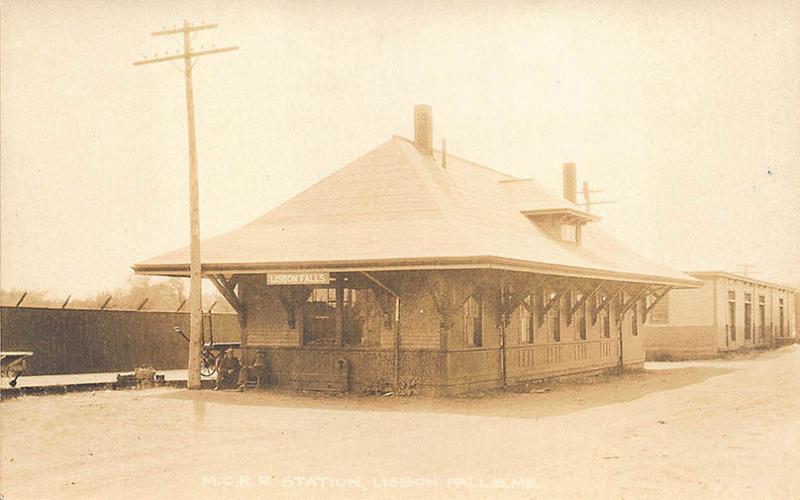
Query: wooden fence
[{"x": 94, "y": 340}]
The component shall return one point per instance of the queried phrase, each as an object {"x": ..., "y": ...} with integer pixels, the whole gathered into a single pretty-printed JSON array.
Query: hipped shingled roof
[{"x": 396, "y": 208}]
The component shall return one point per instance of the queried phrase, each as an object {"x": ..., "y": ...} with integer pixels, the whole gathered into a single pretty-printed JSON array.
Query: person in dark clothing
[{"x": 228, "y": 368}]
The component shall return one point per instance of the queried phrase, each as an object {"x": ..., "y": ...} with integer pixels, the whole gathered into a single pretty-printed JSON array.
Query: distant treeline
[{"x": 140, "y": 293}]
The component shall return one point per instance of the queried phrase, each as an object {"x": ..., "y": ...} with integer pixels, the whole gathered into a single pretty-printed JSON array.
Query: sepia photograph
[{"x": 531, "y": 249}]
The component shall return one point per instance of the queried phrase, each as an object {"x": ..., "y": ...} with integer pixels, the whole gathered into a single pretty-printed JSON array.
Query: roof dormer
[
  {"x": 562, "y": 224},
  {"x": 561, "y": 218}
]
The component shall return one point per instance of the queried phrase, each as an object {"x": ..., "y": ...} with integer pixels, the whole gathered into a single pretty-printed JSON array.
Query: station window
[
  {"x": 554, "y": 317},
  {"x": 580, "y": 319},
  {"x": 635, "y": 320},
  {"x": 319, "y": 316},
  {"x": 473, "y": 322},
  {"x": 526, "y": 320},
  {"x": 605, "y": 316}
]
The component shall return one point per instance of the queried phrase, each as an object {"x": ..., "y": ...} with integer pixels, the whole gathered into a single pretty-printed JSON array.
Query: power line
[{"x": 790, "y": 209}]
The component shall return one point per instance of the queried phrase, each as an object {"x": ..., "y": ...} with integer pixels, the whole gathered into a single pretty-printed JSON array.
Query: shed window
[
  {"x": 635, "y": 320},
  {"x": 473, "y": 321},
  {"x": 748, "y": 316}
]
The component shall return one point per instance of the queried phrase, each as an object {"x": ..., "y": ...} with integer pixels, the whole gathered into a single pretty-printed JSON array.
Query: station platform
[{"x": 55, "y": 384}]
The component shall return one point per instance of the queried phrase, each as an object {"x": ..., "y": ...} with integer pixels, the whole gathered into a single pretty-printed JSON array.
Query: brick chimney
[
  {"x": 423, "y": 129},
  {"x": 570, "y": 182}
]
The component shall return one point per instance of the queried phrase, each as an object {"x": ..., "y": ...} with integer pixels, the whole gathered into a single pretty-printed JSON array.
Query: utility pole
[
  {"x": 747, "y": 271},
  {"x": 587, "y": 202},
  {"x": 586, "y": 196},
  {"x": 195, "y": 292}
]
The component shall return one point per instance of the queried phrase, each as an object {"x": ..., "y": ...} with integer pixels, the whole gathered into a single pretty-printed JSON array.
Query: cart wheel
[{"x": 208, "y": 367}]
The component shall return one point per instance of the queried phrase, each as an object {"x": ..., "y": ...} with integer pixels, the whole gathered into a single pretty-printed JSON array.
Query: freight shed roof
[
  {"x": 738, "y": 277},
  {"x": 395, "y": 208}
]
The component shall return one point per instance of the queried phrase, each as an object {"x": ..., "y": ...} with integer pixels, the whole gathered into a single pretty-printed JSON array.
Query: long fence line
[{"x": 104, "y": 340}]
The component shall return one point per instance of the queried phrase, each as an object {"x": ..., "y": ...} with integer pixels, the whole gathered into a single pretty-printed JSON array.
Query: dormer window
[
  {"x": 570, "y": 233},
  {"x": 561, "y": 219},
  {"x": 561, "y": 225}
]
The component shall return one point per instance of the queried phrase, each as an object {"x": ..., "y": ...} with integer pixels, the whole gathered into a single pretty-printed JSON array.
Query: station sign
[{"x": 298, "y": 278}]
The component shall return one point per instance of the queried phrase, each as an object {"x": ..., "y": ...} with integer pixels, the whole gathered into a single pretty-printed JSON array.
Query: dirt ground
[{"x": 705, "y": 429}]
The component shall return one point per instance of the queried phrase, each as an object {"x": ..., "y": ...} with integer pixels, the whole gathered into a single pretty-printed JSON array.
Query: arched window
[
  {"x": 526, "y": 320},
  {"x": 580, "y": 319},
  {"x": 635, "y": 320},
  {"x": 473, "y": 321},
  {"x": 554, "y": 317}
]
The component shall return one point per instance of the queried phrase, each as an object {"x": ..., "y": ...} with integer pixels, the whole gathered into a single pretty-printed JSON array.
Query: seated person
[
  {"x": 228, "y": 368},
  {"x": 256, "y": 370}
]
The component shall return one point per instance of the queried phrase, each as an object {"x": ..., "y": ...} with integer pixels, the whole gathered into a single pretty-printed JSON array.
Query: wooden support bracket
[
  {"x": 226, "y": 290},
  {"x": 105, "y": 304},
  {"x": 633, "y": 300},
  {"x": 606, "y": 302},
  {"x": 445, "y": 300},
  {"x": 658, "y": 296},
  {"x": 21, "y": 299},
  {"x": 584, "y": 298},
  {"x": 385, "y": 296},
  {"x": 291, "y": 299},
  {"x": 515, "y": 299},
  {"x": 291, "y": 311},
  {"x": 545, "y": 307}
]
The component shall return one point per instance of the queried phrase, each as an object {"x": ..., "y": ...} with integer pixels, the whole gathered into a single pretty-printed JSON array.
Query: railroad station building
[
  {"x": 729, "y": 312},
  {"x": 414, "y": 268}
]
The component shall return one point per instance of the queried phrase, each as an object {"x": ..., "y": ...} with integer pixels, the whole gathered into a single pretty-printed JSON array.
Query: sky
[{"x": 684, "y": 114}]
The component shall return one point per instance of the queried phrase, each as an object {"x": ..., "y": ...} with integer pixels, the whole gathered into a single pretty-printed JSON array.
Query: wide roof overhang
[{"x": 441, "y": 263}]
